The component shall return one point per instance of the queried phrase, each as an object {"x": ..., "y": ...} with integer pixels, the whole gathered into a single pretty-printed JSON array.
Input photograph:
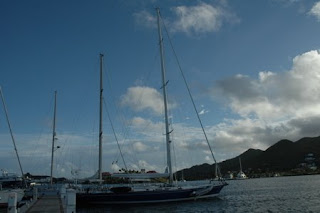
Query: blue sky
[{"x": 253, "y": 68}]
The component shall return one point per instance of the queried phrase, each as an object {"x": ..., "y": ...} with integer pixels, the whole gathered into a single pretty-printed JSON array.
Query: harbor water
[{"x": 279, "y": 194}]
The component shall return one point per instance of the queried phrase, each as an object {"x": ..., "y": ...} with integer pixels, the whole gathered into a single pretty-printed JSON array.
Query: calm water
[{"x": 281, "y": 194}]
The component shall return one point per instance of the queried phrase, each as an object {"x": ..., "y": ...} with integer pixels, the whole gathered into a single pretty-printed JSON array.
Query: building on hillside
[{"x": 310, "y": 161}]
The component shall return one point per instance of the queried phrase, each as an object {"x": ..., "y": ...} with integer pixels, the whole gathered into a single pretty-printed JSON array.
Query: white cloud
[
  {"x": 115, "y": 167},
  {"x": 145, "y": 165},
  {"x": 276, "y": 96},
  {"x": 315, "y": 10},
  {"x": 142, "y": 98},
  {"x": 192, "y": 143},
  {"x": 202, "y": 18},
  {"x": 193, "y": 20},
  {"x": 238, "y": 135},
  {"x": 139, "y": 146},
  {"x": 142, "y": 164},
  {"x": 144, "y": 18},
  {"x": 203, "y": 111},
  {"x": 288, "y": 1},
  {"x": 263, "y": 76},
  {"x": 147, "y": 127}
]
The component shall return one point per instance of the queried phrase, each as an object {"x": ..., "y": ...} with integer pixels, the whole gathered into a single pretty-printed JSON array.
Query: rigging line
[
  {"x": 14, "y": 143},
  {"x": 183, "y": 136},
  {"x": 174, "y": 154},
  {"x": 115, "y": 135},
  {"x": 40, "y": 140},
  {"x": 189, "y": 92},
  {"x": 92, "y": 144},
  {"x": 127, "y": 124},
  {"x": 117, "y": 158},
  {"x": 109, "y": 79},
  {"x": 118, "y": 111},
  {"x": 122, "y": 119}
]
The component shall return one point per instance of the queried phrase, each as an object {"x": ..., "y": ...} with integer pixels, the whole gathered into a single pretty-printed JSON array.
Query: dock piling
[
  {"x": 71, "y": 201},
  {"x": 35, "y": 193},
  {"x": 12, "y": 203},
  {"x": 63, "y": 192}
]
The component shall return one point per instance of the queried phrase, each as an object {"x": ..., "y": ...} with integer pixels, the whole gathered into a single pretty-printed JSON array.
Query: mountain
[{"x": 284, "y": 156}]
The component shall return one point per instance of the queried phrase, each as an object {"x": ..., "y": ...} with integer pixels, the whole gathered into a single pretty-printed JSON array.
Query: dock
[
  {"x": 47, "y": 204},
  {"x": 49, "y": 201}
]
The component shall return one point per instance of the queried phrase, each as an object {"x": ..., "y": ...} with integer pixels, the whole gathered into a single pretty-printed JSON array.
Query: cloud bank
[{"x": 273, "y": 106}]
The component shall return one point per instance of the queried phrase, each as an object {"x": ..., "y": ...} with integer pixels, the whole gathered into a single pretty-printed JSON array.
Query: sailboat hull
[{"x": 149, "y": 196}]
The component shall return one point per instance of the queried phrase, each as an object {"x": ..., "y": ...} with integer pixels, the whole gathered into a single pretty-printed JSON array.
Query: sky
[{"x": 253, "y": 68}]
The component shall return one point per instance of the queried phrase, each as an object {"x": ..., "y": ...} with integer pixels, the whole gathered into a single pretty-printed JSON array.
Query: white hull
[{"x": 241, "y": 176}]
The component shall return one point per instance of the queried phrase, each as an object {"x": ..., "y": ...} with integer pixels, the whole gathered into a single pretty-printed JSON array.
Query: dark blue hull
[{"x": 154, "y": 196}]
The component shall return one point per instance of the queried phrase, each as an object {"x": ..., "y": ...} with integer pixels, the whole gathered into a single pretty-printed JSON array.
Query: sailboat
[
  {"x": 241, "y": 175},
  {"x": 156, "y": 193},
  {"x": 10, "y": 183}
]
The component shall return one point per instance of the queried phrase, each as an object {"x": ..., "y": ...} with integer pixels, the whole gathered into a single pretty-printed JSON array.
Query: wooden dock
[
  {"x": 50, "y": 201},
  {"x": 47, "y": 204}
]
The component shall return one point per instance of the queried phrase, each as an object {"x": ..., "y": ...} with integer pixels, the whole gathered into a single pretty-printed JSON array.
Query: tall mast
[
  {"x": 53, "y": 134},
  {"x": 163, "y": 72},
  {"x": 100, "y": 119},
  {"x": 14, "y": 143},
  {"x": 240, "y": 164}
]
